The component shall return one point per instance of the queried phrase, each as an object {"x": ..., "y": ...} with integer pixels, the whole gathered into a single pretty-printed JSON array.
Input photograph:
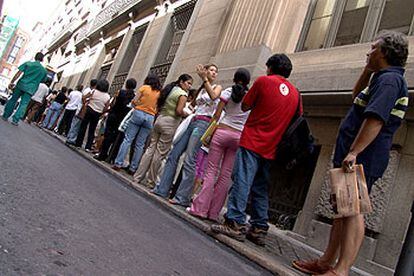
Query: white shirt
[
  {"x": 233, "y": 116},
  {"x": 74, "y": 100},
  {"x": 86, "y": 91},
  {"x": 98, "y": 100},
  {"x": 205, "y": 105},
  {"x": 41, "y": 93}
]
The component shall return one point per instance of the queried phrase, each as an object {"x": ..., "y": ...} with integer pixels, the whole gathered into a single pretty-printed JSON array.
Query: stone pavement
[{"x": 276, "y": 256}]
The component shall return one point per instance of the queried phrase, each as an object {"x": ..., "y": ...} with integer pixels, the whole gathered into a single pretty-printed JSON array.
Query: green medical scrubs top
[{"x": 33, "y": 74}]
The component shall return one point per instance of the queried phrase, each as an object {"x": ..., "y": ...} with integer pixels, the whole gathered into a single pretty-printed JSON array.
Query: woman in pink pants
[{"x": 222, "y": 151}]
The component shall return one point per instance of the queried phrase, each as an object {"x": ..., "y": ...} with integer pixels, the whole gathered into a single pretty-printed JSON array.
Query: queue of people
[{"x": 159, "y": 135}]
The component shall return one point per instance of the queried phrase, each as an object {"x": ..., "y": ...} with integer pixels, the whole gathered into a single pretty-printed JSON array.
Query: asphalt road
[{"x": 62, "y": 215}]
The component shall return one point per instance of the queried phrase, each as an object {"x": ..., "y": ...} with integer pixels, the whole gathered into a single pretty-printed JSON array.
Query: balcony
[{"x": 117, "y": 13}]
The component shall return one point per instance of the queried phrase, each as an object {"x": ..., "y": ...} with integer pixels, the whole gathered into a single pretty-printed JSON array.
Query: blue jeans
[
  {"x": 74, "y": 129},
  {"x": 51, "y": 115},
  {"x": 190, "y": 143},
  {"x": 139, "y": 125},
  {"x": 250, "y": 175}
]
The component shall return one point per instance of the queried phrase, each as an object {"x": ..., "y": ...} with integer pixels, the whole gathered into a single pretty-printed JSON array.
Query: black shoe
[
  {"x": 230, "y": 229},
  {"x": 68, "y": 143},
  {"x": 257, "y": 235},
  {"x": 98, "y": 157}
]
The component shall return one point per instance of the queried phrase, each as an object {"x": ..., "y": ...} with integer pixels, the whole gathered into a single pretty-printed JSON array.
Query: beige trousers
[{"x": 161, "y": 138}]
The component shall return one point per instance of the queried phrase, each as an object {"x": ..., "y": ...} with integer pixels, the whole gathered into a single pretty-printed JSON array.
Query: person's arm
[
  {"x": 369, "y": 130},
  {"x": 362, "y": 82},
  {"x": 15, "y": 77},
  {"x": 107, "y": 107},
  {"x": 219, "y": 110},
  {"x": 179, "y": 109},
  {"x": 251, "y": 96},
  {"x": 215, "y": 92},
  {"x": 114, "y": 98},
  {"x": 137, "y": 97}
]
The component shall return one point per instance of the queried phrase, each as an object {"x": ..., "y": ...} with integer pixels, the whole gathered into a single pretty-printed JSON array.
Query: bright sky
[{"x": 30, "y": 11}]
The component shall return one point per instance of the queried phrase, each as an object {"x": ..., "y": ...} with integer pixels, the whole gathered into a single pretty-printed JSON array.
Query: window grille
[{"x": 172, "y": 39}]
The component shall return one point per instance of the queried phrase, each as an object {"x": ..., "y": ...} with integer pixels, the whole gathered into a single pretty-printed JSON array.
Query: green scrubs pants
[{"x": 21, "y": 110}]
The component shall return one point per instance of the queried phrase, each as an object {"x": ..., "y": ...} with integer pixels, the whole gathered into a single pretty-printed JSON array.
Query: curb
[{"x": 247, "y": 249}]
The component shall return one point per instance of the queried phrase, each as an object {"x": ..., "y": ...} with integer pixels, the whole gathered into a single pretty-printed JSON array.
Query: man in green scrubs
[{"x": 33, "y": 74}]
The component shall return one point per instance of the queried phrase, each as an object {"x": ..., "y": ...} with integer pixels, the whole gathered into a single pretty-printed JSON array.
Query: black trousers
[
  {"x": 66, "y": 122},
  {"x": 91, "y": 119},
  {"x": 110, "y": 135}
]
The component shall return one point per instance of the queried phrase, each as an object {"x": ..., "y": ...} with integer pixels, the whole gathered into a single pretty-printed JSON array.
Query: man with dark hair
[
  {"x": 273, "y": 102},
  {"x": 119, "y": 109},
  {"x": 76, "y": 121},
  {"x": 33, "y": 74},
  {"x": 365, "y": 137},
  {"x": 74, "y": 103},
  {"x": 37, "y": 100}
]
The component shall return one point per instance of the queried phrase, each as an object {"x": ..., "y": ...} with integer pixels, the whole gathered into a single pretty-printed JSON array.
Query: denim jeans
[
  {"x": 74, "y": 129},
  {"x": 189, "y": 142},
  {"x": 51, "y": 115},
  {"x": 139, "y": 126},
  {"x": 250, "y": 176}
]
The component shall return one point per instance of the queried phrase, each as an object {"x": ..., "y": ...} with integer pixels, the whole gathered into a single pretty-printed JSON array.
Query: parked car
[{"x": 4, "y": 96}]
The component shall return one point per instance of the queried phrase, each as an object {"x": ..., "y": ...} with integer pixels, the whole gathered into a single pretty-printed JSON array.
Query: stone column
[
  {"x": 120, "y": 54},
  {"x": 148, "y": 50},
  {"x": 397, "y": 212}
]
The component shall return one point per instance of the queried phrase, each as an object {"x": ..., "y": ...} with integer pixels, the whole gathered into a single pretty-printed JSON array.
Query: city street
[{"x": 62, "y": 215}]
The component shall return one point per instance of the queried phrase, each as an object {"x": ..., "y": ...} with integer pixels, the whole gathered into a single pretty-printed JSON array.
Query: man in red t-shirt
[{"x": 273, "y": 102}]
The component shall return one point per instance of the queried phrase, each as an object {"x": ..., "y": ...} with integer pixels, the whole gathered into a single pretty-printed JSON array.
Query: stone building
[
  {"x": 13, "y": 42},
  {"x": 327, "y": 41}
]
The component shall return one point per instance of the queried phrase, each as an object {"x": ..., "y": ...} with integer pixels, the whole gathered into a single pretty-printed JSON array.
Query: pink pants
[
  {"x": 210, "y": 200},
  {"x": 201, "y": 164}
]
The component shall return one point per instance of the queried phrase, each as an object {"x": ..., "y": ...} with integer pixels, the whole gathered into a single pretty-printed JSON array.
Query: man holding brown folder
[{"x": 365, "y": 137}]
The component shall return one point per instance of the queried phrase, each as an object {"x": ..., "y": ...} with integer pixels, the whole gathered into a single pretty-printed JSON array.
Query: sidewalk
[{"x": 276, "y": 256}]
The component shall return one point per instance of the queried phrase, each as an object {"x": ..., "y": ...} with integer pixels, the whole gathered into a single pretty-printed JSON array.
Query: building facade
[
  {"x": 327, "y": 41},
  {"x": 13, "y": 42}
]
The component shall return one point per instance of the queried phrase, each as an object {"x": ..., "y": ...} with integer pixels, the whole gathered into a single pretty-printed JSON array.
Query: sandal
[{"x": 311, "y": 267}]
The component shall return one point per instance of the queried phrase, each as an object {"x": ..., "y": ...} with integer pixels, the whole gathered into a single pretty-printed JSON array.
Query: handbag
[
  {"x": 84, "y": 107},
  {"x": 208, "y": 134},
  {"x": 124, "y": 123},
  {"x": 182, "y": 128},
  {"x": 349, "y": 192}
]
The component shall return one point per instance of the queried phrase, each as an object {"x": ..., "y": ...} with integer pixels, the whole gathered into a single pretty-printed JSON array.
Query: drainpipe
[{"x": 405, "y": 266}]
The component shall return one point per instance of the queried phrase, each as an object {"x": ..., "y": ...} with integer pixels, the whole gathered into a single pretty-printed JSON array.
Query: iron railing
[{"x": 172, "y": 39}]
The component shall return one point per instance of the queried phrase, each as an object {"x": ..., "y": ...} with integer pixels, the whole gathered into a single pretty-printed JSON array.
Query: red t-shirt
[{"x": 273, "y": 101}]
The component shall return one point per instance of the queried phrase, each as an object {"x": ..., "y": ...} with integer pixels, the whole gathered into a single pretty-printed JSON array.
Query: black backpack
[{"x": 297, "y": 142}]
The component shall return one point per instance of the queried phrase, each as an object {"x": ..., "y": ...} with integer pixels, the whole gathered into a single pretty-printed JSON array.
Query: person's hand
[
  {"x": 12, "y": 86},
  {"x": 349, "y": 162},
  {"x": 201, "y": 71}
]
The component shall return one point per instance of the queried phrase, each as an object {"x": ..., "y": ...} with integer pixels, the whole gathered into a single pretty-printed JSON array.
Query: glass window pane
[
  {"x": 323, "y": 8},
  {"x": 317, "y": 33},
  {"x": 397, "y": 15},
  {"x": 352, "y": 22}
]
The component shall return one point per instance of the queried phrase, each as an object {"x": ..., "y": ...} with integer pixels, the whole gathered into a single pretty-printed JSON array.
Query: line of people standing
[{"x": 243, "y": 145}]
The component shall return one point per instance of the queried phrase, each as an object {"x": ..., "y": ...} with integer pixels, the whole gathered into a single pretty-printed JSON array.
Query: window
[
  {"x": 342, "y": 22},
  {"x": 11, "y": 59},
  {"x": 14, "y": 51},
  {"x": 397, "y": 15},
  {"x": 6, "y": 71},
  {"x": 319, "y": 25},
  {"x": 352, "y": 22},
  {"x": 19, "y": 41}
]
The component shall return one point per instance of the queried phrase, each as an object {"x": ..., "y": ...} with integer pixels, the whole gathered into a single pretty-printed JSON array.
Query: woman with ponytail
[
  {"x": 171, "y": 105},
  {"x": 206, "y": 100},
  {"x": 222, "y": 152}
]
